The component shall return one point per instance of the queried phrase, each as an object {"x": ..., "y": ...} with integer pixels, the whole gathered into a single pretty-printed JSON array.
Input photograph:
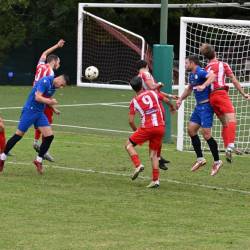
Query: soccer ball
[{"x": 91, "y": 73}]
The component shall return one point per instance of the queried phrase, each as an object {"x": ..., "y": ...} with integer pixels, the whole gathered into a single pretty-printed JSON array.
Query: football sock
[
  {"x": 37, "y": 134},
  {"x": 213, "y": 148},
  {"x": 197, "y": 145},
  {"x": 39, "y": 159},
  {"x": 155, "y": 174},
  {"x": 2, "y": 141},
  {"x": 231, "y": 132},
  {"x": 11, "y": 143},
  {"x": 45, "y": 145},
  {"x": 135, "y": 159}
]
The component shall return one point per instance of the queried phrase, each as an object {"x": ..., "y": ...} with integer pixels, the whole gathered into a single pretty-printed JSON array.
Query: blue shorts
[
  {"x": 31, "y": 117},
  {"x": 203, "y": 115}
]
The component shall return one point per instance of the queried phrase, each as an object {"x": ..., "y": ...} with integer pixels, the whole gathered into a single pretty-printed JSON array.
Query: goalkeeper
[{"x": 202, "y": 116}]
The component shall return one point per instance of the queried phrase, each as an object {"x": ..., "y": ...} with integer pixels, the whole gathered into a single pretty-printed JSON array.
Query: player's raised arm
[
  {"x": 48, "y": 51},
  {"x": 238, "y": 86}
]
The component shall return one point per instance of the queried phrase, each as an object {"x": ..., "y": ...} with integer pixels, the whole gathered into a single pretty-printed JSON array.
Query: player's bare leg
[
  {"x": 135, "y": 159},
  {"x": 155, "y": 183}
]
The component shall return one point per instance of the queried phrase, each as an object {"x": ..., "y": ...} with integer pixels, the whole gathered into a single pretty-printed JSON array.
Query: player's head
[
  {"x": 192, "y": 62},
  {"x": 61, "y": 81},
  {"x": 136, "y": 83},
  {"x": 141, "y": 64},
  {"x": 54, "y": 61},
  {"x": 207, "y": 51}
]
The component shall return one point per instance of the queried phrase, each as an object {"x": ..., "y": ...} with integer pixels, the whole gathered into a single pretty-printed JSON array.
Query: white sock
[
  {"x": 200, "y": 158},
  {"x": 3, "y": 156},
  {"x": 39, "y": 159},
  {"x": 217, "y": 162},
  {"x": 36, "y": 141},
  {"x": 230, "y": 145}
]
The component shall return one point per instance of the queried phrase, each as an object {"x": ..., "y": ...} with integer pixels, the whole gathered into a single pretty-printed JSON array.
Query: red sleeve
[
  {"x": 160, "y": 95},
  {"x": 132, "y": 109},
  {"x": 228, "y": 70}
]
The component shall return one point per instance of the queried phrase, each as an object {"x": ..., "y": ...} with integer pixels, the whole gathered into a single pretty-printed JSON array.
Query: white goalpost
[{"x": 231, "y": 39}]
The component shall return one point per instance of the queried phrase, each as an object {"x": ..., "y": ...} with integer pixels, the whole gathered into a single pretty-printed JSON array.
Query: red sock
[
  {"x": 2, "y": 141},
  {"x": 155, "y": 174},
  {"x": 224, "y": 135},
  {"x": 231, "y": 132},
  {"x": 37, "y": 134},
  {"x": 135, "y": 159}
]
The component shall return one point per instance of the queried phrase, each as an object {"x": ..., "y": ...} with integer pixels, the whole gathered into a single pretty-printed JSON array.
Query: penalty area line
[{"x": 141, "y": 177}]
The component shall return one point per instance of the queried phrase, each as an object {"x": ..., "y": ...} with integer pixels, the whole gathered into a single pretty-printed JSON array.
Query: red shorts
[
  {"x": 221, "y": 102},
  {"x": 48, "y": 111},
  {"x": 154, "y": 135}
]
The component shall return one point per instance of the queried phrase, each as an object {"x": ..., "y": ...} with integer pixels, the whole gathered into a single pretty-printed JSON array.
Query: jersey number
[{"x": 146, "y": 99}]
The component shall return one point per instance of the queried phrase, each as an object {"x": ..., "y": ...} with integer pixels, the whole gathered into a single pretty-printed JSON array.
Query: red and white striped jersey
[
  {"x": 145, "y": 76},
  {"x": 42, "y": 69},
  {"x": 221, "y": 70},
  {"x": 148, "y": 105}
]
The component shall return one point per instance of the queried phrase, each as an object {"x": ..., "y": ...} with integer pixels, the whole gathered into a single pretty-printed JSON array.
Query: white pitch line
[
  {"x": 78, "y": 105},
  {"x": 141, "y": 177},
  {"x": 81, "y": 127}
]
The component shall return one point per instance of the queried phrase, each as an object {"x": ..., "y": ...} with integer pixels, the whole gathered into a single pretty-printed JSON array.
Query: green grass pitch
[{"x": 86, "y": 200}]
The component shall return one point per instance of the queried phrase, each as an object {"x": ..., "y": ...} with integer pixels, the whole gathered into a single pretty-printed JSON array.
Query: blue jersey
[
  {"x": 46, "y": 87},
  {"x": 198, "y": 78}
]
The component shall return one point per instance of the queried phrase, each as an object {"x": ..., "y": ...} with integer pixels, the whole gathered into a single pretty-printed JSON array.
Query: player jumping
[
  {"x": 149, "y": 83},
  {"x": 152, "y": 128},
  {"x": 202, "y": 116},
  {"x": 33, "y": 114},
  {"x": 46, "y": 65},
  {"x": 219, "y": 98}
]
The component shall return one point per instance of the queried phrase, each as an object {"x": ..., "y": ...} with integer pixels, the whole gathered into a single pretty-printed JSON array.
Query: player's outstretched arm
[
  {"x": 238, "y": 86},
  {"x": 175, "y": 97},
  {"x": 187, "y": 92},
  {"x": 48, "y": 51}
]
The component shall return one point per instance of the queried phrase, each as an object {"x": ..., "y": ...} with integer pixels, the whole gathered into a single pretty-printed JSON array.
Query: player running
[
  {"x": 2, "y": 135},
  {"x": 152, "y": 128},
  {"x": 149, "y": 83},
  {"x": 33, "y": 114},
  {"x": 46, "y": 65},
  {"x": 219, "y": 98},
  {"x": 202, "y": 116}
]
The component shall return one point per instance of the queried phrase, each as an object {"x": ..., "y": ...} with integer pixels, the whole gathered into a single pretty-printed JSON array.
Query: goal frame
[
  {"x": 81, "y": 11},
  {"x": 182, "y": 57}
]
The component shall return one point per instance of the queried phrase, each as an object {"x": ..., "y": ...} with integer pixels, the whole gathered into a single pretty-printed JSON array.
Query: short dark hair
[
  {"x": 207, "y": 51},
  {"x": 66, "y": 78},
  {"x": 52, "y": 57},
  {"x": 141, "y": 64},
  {"x": 194, "y": 59},
  {"x": 136, "y": 83}
]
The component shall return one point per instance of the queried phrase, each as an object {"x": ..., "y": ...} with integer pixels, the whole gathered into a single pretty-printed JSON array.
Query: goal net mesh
[
  {"x": 232, "y": 45},
  {"x": 113, "y": 51}
]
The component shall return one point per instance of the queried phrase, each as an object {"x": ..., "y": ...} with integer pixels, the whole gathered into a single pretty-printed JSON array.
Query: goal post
[{"x": 231, "y": 39}]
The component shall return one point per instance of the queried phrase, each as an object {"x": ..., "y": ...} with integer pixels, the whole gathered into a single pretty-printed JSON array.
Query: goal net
[
  {"x": 112, "y": 49},
  {"x": 231, "y": 39}
]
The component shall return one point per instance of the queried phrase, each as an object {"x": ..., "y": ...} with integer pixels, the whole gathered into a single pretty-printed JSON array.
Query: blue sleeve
[
  {"x": 42, "y": 85},
  {"x": 203, "y": 74}
]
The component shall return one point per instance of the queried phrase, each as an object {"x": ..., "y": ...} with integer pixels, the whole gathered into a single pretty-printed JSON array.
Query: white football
[{"x": 91, "y": 73}]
